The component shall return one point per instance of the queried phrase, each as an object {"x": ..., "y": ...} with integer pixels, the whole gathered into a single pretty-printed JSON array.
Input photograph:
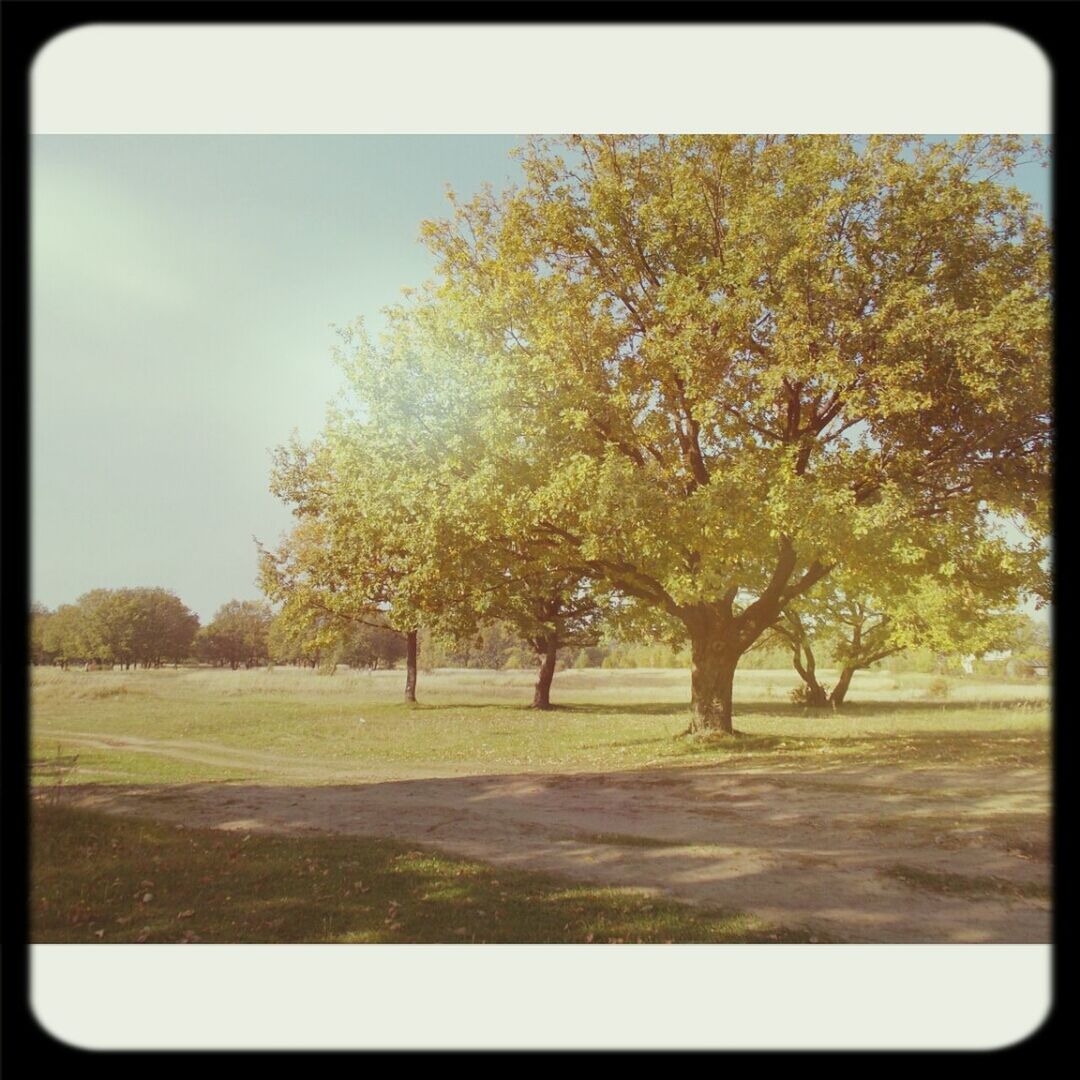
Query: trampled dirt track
[{"x": 859, "y": 853}]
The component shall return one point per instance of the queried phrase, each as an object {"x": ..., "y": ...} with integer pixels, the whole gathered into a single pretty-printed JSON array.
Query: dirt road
[{"x": 861, "y": 854}]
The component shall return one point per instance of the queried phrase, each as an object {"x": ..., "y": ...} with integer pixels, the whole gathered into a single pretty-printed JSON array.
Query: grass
[
  {"x": 292, "y": 726},
  {"x": 98, "y": 878},
  {"x": 93, "y": 873}
]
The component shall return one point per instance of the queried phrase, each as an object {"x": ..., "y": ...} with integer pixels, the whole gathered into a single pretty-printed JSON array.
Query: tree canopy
[
  {"x": 147, "y": 626},
  {"x": 690, "y": 383},
  {"x": 238, "y": 634},
  {"x": 717, "y": 368}
]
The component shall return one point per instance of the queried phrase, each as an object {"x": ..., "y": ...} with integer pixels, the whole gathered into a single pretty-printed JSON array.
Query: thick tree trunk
[
  {"x": 841, "y": 688},
  {"x": 410, "y": 666},
  {"x": 712, "y": 675},
  {"x": 542, "y": 693}
]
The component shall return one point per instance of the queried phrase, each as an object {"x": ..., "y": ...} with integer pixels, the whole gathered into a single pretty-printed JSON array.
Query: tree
[
  {"x": 549, "y": 611},
  {"x": 342, "y": 564},
  {"x": 959, "y": 597},
  {"x": 290, "y": 641},
  {"x": 168, "y": 627},
  {"x": 133, "y": 626},
  {"x": 369, "y": 645},
  {"x": 64, "y": 636},
  {"x": 238, "y": 634},
  {"x": 1027, "y": 639},
  {"x": 110, "y": 625},
  {"x": 719, "y": 368},
  {"x": 39, "y": 620},
  {"x": 935, "y": 615},
  {"x": 414, "y": 443},
  {"x": 792, "y": 627}
]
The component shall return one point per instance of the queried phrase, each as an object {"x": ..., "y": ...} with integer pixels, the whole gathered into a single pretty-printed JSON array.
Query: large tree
[{"x": 720, "y": 367}]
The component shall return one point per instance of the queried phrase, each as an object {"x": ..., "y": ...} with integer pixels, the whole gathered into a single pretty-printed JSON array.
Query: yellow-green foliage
[{"x": 681, "y": 382}]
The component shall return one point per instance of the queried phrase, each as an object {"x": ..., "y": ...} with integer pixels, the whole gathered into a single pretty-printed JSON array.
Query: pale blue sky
[{"x": 184, "y": 294}]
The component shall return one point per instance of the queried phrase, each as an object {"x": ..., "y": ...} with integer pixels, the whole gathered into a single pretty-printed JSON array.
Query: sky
[{"x": 185, "y": 290}]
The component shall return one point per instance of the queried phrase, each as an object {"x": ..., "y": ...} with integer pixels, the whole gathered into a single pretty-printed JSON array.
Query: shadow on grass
[
  {"x": 523, "y": 706},
  {"x": 98, "y": 878},
  {"x": 853, "y": 709},
  {"x": 992, "y": 748},
  {"x": 750, "y": 707},
  {"x": 729, "y": 834}
]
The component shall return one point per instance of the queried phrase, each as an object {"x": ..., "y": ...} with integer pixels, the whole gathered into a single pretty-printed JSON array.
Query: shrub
[
  {"x": 804, "y": 695},
  {"x": 938, "y": 688}
]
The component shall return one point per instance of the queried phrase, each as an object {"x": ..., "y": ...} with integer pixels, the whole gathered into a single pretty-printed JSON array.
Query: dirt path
[
  {"x": 867, "y": 854},
  {"x": 221, "y": 755}
]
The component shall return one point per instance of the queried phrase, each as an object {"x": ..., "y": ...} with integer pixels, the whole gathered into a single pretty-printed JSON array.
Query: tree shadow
[
  {"x": 90, "y": 879},
  {"x": 816, "y": 846},
  {"x": 882, "y": 708},
  {"x": 639, "y": 708},
  {"x": 524, "y": 706},
  {"x": 746, "y": 707}
]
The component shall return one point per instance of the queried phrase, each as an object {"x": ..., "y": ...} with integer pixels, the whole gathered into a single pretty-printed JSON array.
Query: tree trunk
[
  {"x": 712, "y": 675},
  {"x": 410, "y": 666},
  {"x": 542, "y": 693},
  {"x": 816, "y": 697},
  {"x": 841, "y": 687},
  {"x": 808, "y": 673}
]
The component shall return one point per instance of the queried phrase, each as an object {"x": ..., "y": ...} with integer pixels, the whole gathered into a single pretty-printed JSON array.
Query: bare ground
[{"x": 858, "y": 853}]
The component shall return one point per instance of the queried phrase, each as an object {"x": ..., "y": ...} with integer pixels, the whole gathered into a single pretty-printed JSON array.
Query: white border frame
[{"x": 435, "y": 78}]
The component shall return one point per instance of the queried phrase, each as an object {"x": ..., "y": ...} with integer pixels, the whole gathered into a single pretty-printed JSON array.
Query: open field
[{"x": 900, "y": 818}]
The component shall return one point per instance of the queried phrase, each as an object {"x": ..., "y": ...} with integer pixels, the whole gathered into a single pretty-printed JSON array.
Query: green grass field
[
  {"x": 171, "y": 726},
  {"x": 285, "y": 805}
]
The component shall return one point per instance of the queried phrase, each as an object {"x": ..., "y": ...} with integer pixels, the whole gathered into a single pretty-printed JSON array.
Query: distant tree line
[
  {"x": 151, "y": 627},
  {"x": 108, "y": 627}
]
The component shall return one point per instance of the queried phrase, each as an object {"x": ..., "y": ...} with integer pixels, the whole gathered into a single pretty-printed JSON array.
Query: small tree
[
  {"x": 339, "y": 569},
  {"x": 408, "y": 452},
  {"x": 944, "y": 613}
]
